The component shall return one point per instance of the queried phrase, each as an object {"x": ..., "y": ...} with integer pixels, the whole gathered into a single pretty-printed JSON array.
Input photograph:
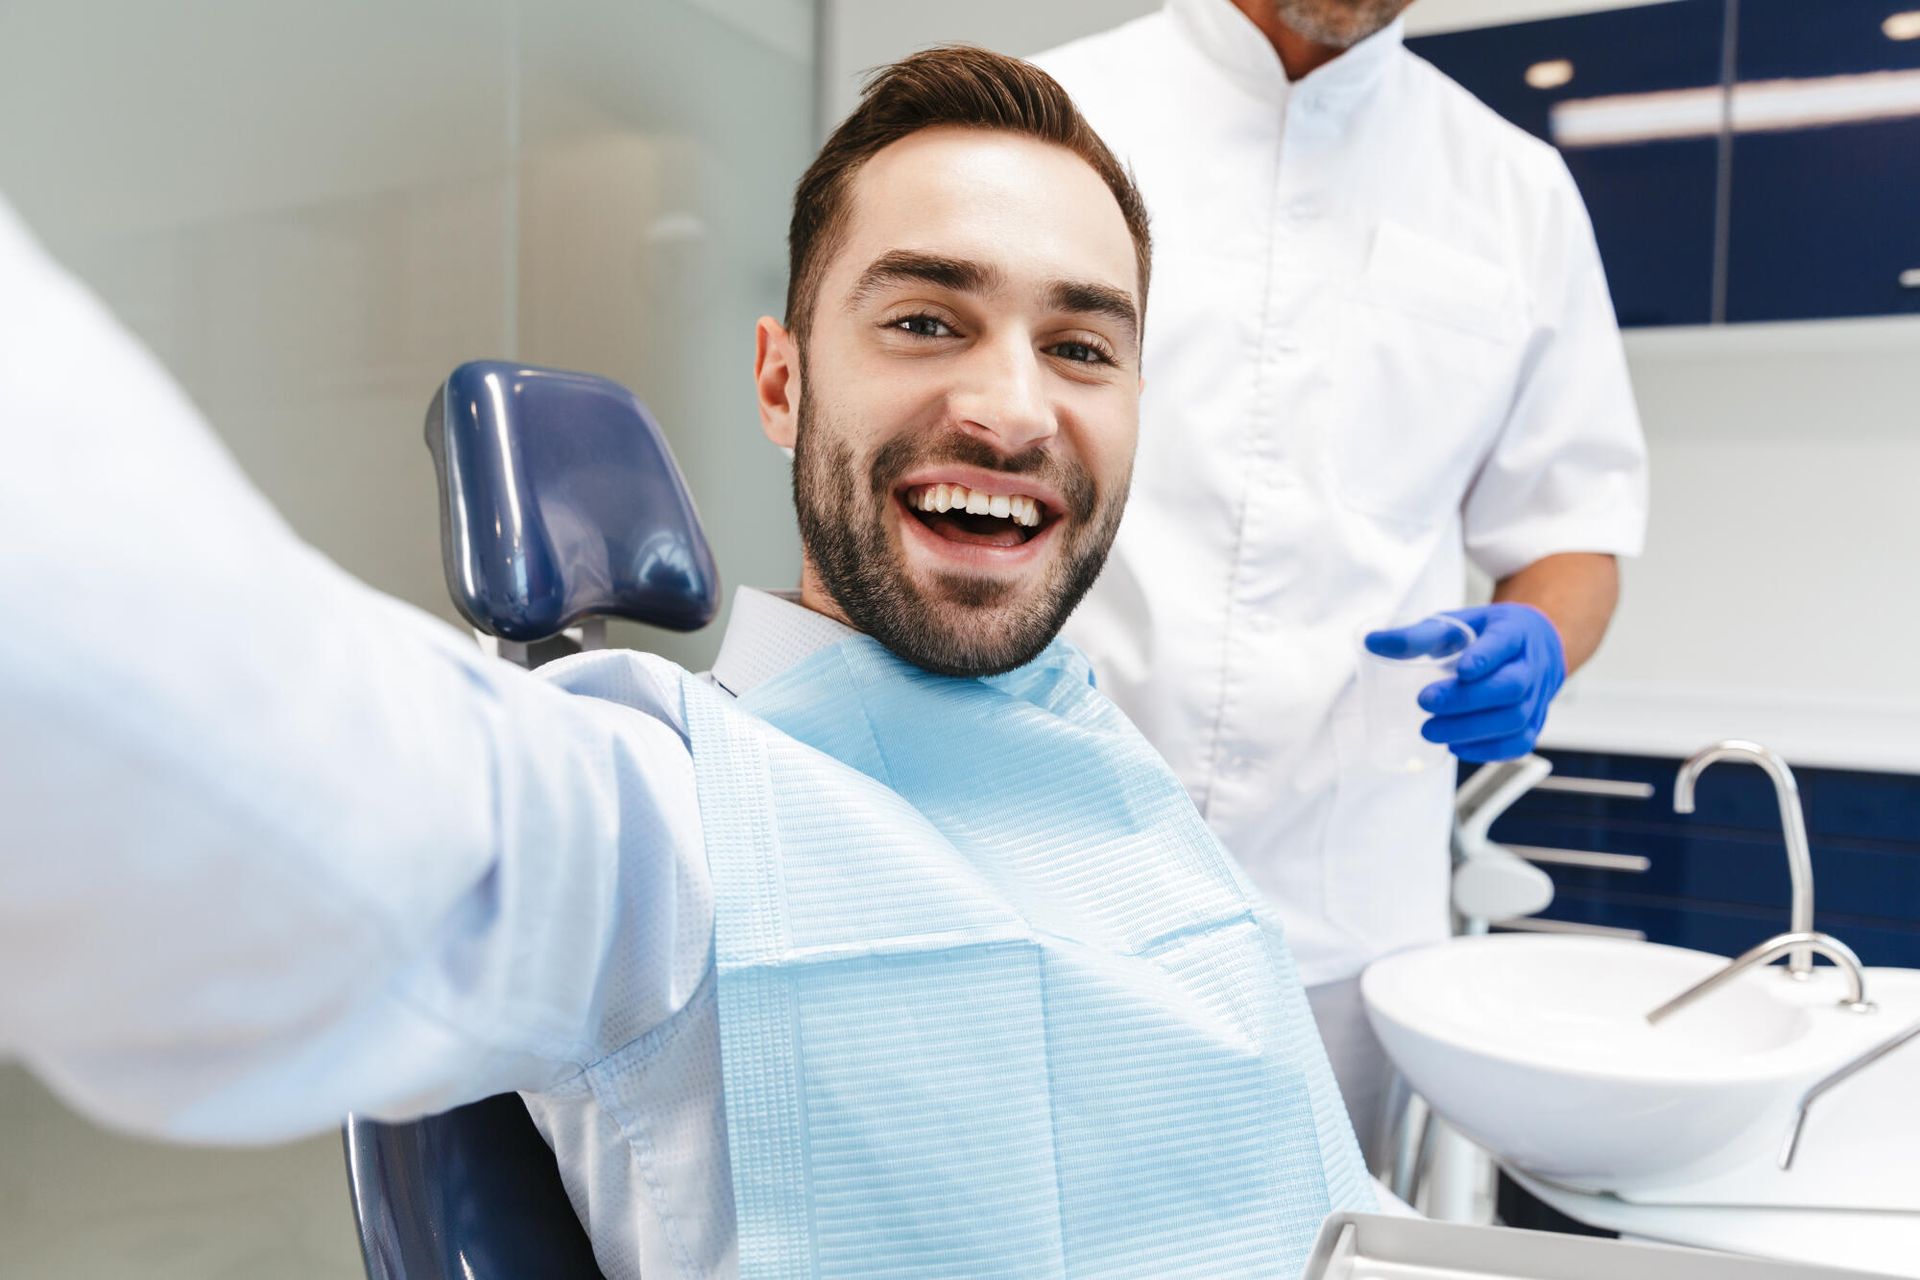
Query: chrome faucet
[
  {"x": 1770, "y": 950},
  {"x": 1799, "y": 858}
]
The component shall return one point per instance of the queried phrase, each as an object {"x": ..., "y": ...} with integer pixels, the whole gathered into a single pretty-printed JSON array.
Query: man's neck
[
  {"x": 814, "y": 594},
  {"x": 1298, "y": 54}
]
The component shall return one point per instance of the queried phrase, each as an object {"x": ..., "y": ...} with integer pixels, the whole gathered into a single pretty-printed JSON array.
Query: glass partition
[{"x": 311, "y": 212}]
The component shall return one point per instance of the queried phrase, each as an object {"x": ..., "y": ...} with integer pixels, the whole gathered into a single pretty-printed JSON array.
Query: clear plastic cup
[{"x": 1390, "y": 696}]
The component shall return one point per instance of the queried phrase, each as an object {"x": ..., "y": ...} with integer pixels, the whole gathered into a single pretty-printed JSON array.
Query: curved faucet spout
[
  {"x": 1792, "y": 820},
  {"x": 1766, "y": 953}
]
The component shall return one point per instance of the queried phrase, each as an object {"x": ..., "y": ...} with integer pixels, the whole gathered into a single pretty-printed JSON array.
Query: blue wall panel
[
  {"x": 1707, "y": 865},
  {"x": 1783, "y": 39},
  {"x": 1728, "y": 931},
  {"x": 1825, "y": 219},
  {"x": 1652, "y": 203},
  {"x": 1717, "y": 879}
]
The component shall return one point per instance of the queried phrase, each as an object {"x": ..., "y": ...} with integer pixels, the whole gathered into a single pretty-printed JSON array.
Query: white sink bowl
[{"x": 1537, "y": 1048}]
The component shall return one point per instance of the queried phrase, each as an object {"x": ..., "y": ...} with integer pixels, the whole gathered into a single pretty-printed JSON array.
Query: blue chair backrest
[
  {"x": 559, "y": 501},
  {"x": 470, "y": 1194}
]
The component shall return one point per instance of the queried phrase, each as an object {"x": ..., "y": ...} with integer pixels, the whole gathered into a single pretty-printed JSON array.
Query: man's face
[
  {"x": 1338, "y": 24},
  {"x": 967, "y": 403}
]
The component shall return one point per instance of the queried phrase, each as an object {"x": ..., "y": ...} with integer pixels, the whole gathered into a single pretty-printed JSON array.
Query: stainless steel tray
[{"x": 1372, "y": 1246}]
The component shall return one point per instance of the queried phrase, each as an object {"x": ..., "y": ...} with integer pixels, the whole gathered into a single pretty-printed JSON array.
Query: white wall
[
  {"x": 1784, "y": 547},
  {"x": 863, "y": 34},
  {"x": 1429, "y": 16},
  {"x": 1783, "y": 556}
]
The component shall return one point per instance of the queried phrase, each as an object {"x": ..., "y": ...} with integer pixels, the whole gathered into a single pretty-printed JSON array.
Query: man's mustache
[{"x": 905, "y": 452}]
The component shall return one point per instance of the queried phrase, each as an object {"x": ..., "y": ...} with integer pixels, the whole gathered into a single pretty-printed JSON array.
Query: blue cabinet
[
  {"x": 1716, "y": 880},
  {"x": 1743, "y": 160},
  {"x": 1652, "y": 201},
  {"x": 1825, "y": 168}
]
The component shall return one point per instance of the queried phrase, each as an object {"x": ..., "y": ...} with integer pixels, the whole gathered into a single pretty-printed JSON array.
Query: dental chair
[{"x": 560, "y": 506}]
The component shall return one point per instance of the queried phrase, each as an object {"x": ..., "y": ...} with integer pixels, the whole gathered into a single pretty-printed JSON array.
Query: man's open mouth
[{"x": 975, "y": 516}]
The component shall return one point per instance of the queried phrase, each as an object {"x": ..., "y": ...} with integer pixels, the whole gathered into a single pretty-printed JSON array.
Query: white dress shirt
[
  {"x": 652, "y": 1182},
  {"x": 1378, "y": 341},
  {"x": 274, "y": 847}
]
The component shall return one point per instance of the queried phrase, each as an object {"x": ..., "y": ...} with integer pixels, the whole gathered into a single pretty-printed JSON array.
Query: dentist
[
  {"x": 1382, "y": 348},
  {"x": 892, "y": 950}
]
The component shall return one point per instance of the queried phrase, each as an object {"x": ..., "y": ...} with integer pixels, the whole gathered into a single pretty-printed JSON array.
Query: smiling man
[
  {"x": 971, "y": 330},
  {"x": 891, "y": 950}
]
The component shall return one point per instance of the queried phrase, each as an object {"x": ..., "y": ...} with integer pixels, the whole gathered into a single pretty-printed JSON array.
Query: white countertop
[
  {"x": 1883, "y": 1243},
  {"x": 1833, "y": 733}
]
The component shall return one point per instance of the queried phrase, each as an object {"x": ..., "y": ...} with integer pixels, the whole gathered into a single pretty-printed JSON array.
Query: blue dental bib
[{"x": 993, "y": 1001}]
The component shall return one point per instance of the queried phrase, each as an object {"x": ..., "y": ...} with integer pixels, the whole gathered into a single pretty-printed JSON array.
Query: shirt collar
[
  {"x": 768, "y": 633},
  {"x": 1228, "y": 38}
]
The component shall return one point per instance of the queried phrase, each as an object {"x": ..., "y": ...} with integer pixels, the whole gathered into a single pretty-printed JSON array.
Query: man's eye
[
  {"x": 921, "y": 326},
  {"x": 1081, "y": 353}
]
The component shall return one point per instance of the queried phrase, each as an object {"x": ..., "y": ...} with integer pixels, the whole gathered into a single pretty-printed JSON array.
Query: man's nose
[{"x": 1002, "y": 396}]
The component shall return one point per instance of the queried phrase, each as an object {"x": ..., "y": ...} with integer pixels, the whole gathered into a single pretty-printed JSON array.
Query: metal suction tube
[
  {"x": 1772, "y": 949},
  {"x": 1838, "y": 1076},
  {"x": 1792, "y": 819}
]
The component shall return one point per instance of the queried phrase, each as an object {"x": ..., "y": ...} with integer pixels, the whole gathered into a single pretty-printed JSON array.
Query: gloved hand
[{"x": 1496, "y": 704}]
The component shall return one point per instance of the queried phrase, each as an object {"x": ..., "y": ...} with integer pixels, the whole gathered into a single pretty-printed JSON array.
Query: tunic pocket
[{"x": 1432, "y": 344}]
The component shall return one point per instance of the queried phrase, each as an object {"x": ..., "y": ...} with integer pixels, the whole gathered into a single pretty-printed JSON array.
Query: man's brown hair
[{"x": 952, "y": 85}]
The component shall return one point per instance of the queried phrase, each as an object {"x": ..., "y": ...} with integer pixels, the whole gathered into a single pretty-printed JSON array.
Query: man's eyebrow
[
  {"x": 902, "y": 266},
  {"x": 1088, "y": 298}
]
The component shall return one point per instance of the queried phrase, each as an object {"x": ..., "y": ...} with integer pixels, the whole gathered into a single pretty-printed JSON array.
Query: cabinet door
[
  {"x": 1826, "y": 160},
  {"x": 1652, "y": 198}
]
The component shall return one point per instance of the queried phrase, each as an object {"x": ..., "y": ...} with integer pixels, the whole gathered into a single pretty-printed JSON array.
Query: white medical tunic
[{"x": 1378, "y": 341}]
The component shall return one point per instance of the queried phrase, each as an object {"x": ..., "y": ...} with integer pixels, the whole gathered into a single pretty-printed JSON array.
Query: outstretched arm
[{"x": 273, "y": 846}]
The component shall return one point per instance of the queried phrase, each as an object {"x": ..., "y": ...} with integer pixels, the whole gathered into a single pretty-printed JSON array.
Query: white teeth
[{"x": 1017, "y": 507}]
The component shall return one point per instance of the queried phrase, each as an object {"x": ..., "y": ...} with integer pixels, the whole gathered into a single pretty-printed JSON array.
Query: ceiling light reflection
[
  {"x": 1902, "y": 26},
  {"x": 1554, "y": 73}
]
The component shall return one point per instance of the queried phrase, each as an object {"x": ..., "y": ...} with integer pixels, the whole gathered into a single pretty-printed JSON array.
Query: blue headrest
[{"x": 559, "y": 500}]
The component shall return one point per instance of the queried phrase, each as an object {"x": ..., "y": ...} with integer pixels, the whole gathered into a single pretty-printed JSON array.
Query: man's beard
[
  {"x": 1337, "y": 24},
  {"x": 968, "y": 626}
]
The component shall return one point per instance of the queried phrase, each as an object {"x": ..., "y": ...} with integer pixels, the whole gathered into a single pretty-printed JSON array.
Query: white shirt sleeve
[
  {"x": 1568, "y": 471},
  {"x": 273, "y": 846}
]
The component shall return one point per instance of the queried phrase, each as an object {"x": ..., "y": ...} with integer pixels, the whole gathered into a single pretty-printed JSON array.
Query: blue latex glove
[{"x": 1496, "y": 704}]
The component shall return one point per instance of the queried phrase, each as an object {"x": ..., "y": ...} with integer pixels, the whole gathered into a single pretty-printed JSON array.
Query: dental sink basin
[{"x": 1537, "y": 1047}]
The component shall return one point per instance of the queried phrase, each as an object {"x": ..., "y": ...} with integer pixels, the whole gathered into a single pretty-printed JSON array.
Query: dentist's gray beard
[
  {"x": 1338, "y": 24},
  {"x": 971, "y": 628}
]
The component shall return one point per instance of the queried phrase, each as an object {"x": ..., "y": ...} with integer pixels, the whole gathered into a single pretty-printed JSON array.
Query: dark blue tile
[
  {"x": 1729, "y": 930},
  {"x": 1824, "y": 222},
  {"x": 1653, "y": 204},
  {"x": 1641, "y": 50},
  {"x": 1713, "y": 867},
  {"x": 1863, "y": 805},
  {"x": 1732, "y": 796},
  {"x": 1653, "y": 215},
  {"x": 1787, "y": 39},
  {"x": 1825, "y": 216}
]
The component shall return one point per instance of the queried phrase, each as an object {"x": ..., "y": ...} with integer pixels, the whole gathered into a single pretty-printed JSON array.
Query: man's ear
[{"x": 776, "y": 375}]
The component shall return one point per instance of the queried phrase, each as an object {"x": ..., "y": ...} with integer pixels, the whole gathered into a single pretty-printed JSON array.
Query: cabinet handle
[
  {"x": 1596, "y": 787},
  {"x": 1632, "y": 863},
  {"x": 1910, "y": 278},
  {"x": 1534, "y": 924}
]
